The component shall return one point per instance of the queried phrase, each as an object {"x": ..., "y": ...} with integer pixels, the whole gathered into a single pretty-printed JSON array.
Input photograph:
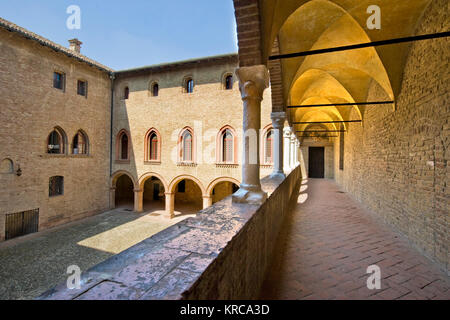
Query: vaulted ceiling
[{"x": 338, "y": 77}]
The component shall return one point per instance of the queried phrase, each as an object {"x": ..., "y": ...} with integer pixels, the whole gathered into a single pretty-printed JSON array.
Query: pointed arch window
[
  {"x": 152, "y": 145},
  {"x": 187, "y": 146},
  {"x": 268, "y": 147},
  {"x": 80, "y": 143},
  {"x": 56, "y": 142},
  {"x": 227, "y": 146},
  {"x": 123, "y": 146}
]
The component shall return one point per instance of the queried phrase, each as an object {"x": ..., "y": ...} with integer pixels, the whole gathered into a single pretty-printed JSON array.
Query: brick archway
[{"x": 216, "y": 181}]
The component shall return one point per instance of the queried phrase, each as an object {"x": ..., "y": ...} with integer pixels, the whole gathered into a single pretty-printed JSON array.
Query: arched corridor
[
  {"x": 327, "y": 243},
  {"x": 188, "y": 197},
  {"x": 124, "y": 192},
  {"x": 153, "y": 195},
  {"x": 223, "y": 189}
]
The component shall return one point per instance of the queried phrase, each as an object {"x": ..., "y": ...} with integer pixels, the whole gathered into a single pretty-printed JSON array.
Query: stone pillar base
[
  {"x": 280, "y": 175},
  {"x": 249, "y": 194}
]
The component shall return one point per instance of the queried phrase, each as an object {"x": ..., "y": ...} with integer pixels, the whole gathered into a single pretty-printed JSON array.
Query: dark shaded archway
[
  {"x": 124, "y": 193},
  {"x": 153, "y": 195},
  {"x": 188, "y": 197},
  {"x": 222, "y": 190}
]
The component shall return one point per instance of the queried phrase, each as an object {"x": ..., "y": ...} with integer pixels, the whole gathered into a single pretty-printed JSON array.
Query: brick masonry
[
  {"x": 397, "y": 162},
  {"x": 30, "y": 109},
  {"x": 208, "y": 109}
]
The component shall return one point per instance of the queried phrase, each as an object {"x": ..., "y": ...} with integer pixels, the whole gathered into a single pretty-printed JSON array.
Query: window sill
[
  {"x": 122, "y": 161},
  {"x": 227, "y": 165},
  {"x": 152, "y": 162},
  {"x": 186, "y": 164},
  {"x": 54, "y": 155},
  {"x": 58, "y": 155},
  {"x": 56, "y": 196},
  {"x": 79, "y": 156}
]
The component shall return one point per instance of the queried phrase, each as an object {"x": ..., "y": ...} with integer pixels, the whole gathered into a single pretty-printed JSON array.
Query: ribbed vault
[{"x": 338, "y": 77}]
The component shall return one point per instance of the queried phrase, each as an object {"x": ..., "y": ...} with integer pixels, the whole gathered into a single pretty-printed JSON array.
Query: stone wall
[
  {"x": 29, "y": 110},
  {"x": 222, "y": 253},
  {"x": 397, "y": 162}
]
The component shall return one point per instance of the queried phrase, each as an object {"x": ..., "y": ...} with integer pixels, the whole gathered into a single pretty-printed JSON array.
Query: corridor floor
[{"x": 329, "y": 241}]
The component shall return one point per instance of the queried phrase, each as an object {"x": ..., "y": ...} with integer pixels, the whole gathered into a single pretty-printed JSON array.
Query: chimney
[{"x": 75, "y": 45}]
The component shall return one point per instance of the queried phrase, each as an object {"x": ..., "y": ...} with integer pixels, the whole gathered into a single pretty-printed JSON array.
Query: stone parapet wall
[{"x": 222, "y": 253}]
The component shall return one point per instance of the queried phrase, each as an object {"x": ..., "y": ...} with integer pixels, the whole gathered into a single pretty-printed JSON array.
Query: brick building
[
  {"x": 375, "y": 119},
  {"x": 64, "y": 100}
]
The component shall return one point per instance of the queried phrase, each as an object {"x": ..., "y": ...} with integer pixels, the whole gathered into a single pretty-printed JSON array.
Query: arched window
[
  {"x": 186, "y": 152},
  {"x": 189, "y": 85},
  {"x": 80, "y": 143},
  {"x": 6, "y": 166},
  {"x": 155, "y": 89},
  {"x": 55, "y": 142},
  {"x": 229, "y": 82},
  {"x": 152, "y": 145},
  {"x": 268, "y": 150},
  {"x": 227, "y": 140},
  {"x": 126, "y": 93},
  {"x": 123, "y": 146}
]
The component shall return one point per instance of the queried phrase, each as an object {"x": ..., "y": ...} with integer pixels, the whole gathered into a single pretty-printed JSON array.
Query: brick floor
[{"x": 329, "y": 241}]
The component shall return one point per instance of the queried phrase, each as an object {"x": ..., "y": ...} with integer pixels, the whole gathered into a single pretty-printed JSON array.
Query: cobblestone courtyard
[{"x": 35, "y": 263}]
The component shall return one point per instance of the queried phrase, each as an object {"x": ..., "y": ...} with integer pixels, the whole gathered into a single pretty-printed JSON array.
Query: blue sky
[{"x": 126, "y": 34}]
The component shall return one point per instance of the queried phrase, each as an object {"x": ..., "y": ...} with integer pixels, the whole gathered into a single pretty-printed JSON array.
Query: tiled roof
[{"x": 45, "y": 42}]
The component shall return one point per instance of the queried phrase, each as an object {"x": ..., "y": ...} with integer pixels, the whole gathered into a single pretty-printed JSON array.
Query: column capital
[
  {"x": 253, "y": 81},
  {"x": 287, "y": 132},
  {"x": 278, "y": 119}
]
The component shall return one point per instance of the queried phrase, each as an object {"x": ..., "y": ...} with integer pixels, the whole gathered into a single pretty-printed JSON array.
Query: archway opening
[
  {"x": 188, "y": 197},
  {"x": 153, "y": 195},
  {"x": 124, "y": 195},
  {"x": 222, "y": 190}
]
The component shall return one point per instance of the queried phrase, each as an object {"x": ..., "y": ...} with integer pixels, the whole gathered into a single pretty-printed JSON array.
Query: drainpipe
[{"x": 112, "y": 77}]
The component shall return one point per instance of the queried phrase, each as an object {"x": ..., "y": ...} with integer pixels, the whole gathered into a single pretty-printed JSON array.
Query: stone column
[
  {"x": 278, "y": 119},
  {"x": 138, "y": 200},
  {"x": 112, "y": 198},
  {"x": 252, "y": 83},
  {"x": 207, "y": 201},
  {"x": 297, "y": 149},
  {"x": 287, "y": 147},
  {"x": 170, "y": 205},
  {"x": 292, "y": 158}
]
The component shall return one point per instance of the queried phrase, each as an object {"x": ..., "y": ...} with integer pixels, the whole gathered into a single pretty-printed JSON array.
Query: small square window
[
  {"x": 56, "y": 186},
  {"x": 82, "y": 88},
  {"x": 58, "y": 80}
]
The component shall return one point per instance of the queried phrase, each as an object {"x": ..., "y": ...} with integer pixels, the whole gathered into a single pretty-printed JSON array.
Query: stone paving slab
[
  {"x": 33, "y": 264},
  {"x": 329, "y": 241}
]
